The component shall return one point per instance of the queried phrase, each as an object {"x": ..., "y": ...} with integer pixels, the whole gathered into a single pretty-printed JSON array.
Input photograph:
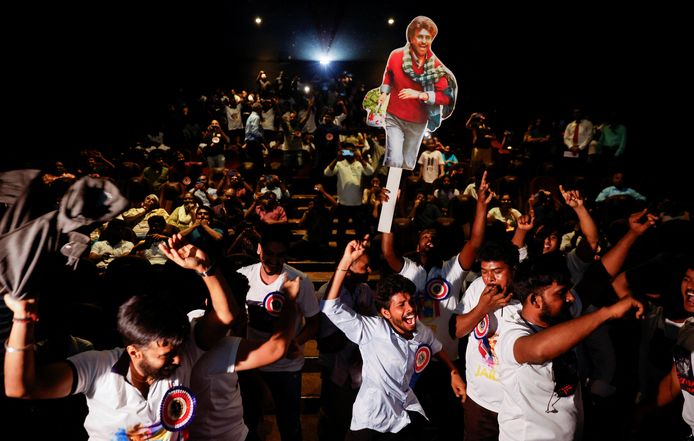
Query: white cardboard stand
[{"x": 385, "y": 221}]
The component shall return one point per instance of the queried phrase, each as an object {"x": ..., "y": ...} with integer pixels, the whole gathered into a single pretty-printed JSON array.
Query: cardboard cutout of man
[{"x": 417, "y": 93}]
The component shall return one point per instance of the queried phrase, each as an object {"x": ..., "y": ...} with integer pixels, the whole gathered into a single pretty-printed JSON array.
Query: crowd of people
[{"x": 527, "y": 291}]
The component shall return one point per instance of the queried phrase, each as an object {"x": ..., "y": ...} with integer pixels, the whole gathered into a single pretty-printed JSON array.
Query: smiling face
[
  {"x": 687, "y": 289},
  {"x": 272, "y": 257},
  {"x": 421, "y": 42},
  {"x": 401, "y": 313}
]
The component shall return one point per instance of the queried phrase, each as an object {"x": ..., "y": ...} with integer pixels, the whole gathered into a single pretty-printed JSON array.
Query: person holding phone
[{"x": 349, "y": 166}]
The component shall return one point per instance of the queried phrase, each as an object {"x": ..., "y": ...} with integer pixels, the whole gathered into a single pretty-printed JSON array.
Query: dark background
[{"x": 102, "y": 74}]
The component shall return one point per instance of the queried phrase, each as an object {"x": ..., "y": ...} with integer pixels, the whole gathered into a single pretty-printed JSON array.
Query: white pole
[{"x": 388, "y": 209}]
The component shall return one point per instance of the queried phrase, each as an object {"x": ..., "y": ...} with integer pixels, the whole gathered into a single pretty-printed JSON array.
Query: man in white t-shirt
[
  {"x": 265, "y": 278},
  {"x": 481, "y": 311},
  {"x": 538, "y": 367},
  {"x": 232, "y": 111},
  {"x": 125, "y": 387},
  {"x": 214, "y": 379},
  {"x": 431, "y": 163},
  {"x": 681, "y": 376}
]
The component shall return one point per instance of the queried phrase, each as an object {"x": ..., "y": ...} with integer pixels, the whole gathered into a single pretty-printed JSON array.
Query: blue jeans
[{"x": 403, "y": 139}]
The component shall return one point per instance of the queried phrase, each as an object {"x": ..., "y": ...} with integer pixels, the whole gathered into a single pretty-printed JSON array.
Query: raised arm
[
  {"x": 484, "y": 195},
  {"x": 353, "y": 251},
  {"x": 22, "y": 378},
  {"x": 549, "y": 343},
  {"x": 590, "y": 231},
  {"x": 255, "y": 354},
  {"x": 615, "y": 257},
  {"x": 215, "y": 323},
  {"x": 394, "y": 260},
  {"x": 319, "y": 188}
]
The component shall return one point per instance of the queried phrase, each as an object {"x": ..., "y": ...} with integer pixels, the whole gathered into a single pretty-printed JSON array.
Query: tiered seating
[{"x": 320, "y": 272}]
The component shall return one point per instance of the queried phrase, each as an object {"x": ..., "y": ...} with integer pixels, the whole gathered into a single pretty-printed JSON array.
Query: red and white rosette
[
  {"x": 438, "y": 288},
  {"x": 482, "y": 328},
  {"x": 422, "y": 358},
  {"x": 177, "y": 408},
  {"x": 273, "y": 303}
]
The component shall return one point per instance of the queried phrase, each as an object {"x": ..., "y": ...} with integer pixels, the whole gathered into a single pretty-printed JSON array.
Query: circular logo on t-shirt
[
  {"x": 329, "y": 136},
  {"x": 421, "y": 358},
  {"x": 273, "y": 303},
  {"x": 438, "y": 288},
  {"x": 177, "y": 408},
  {"x": 215, "y": 139},
  {"x": 485, "y": 328}
]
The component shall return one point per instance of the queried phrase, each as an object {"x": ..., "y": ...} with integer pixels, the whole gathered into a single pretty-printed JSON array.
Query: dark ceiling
[{"x": 97, "y": 70}]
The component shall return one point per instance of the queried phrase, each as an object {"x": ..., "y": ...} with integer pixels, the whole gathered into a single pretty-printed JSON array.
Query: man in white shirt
[
  {"x": 125, "y": 387},
  {"x": 349, "y": 166},
  {"x": 264, "y": 280},
  {"x": 214, "y": 379},
  {"x": 577, "y": 136},
  {"x": 538, "y": 366},
  {"x": 431, "y": 163},
  {"x": 481, "y": 311},
  {"x": 395, "y": 349},
  {"x": 680, "y": 380},
  {"x": 234, "y": 118},
  {"x": 438, "y": 285}
]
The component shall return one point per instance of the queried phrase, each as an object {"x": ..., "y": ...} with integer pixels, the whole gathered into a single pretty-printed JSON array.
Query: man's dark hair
[
  {"x": 431, "y": 231},
  {"x": 279, "y": 233},
  {"x": 391, "y": 285},
  {"x": 499, "y": 251},
  {"x": 146, "y": 318},
  {"x": 533, "y": 275},
  {"x": 206, "y": 209},
  {"x": 156, "y": 221},
  {"x": 421, "y": 22}
]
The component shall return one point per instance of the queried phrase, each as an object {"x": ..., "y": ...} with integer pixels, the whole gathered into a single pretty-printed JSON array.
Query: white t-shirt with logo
[
  {"x": 261, "y": 323},
  {"x": 481, "y": 362},
  {"x": 530, "y": 409},
  {"x": 437, "y": 313},
  {"x": 115, "y": 405}
]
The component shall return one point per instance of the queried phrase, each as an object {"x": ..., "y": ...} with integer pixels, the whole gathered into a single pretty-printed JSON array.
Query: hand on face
[{"x": 493, "y": 298}]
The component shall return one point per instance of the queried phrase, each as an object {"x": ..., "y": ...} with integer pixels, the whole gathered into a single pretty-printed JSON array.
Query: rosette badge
[
  {"x": 438, "y": 288},
  {"x": 273, "y": 303},
  {"x": 177, "y": 408}
]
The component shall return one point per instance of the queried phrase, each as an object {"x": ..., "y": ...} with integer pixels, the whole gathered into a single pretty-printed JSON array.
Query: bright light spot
[
  {"x": 391, "y": 21},
  {"x": 258, "y": 20},
  {"x": 324, "y": 60},
  {"x": 427, "y": 134},
  {"x": 307, "y": 89}
]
